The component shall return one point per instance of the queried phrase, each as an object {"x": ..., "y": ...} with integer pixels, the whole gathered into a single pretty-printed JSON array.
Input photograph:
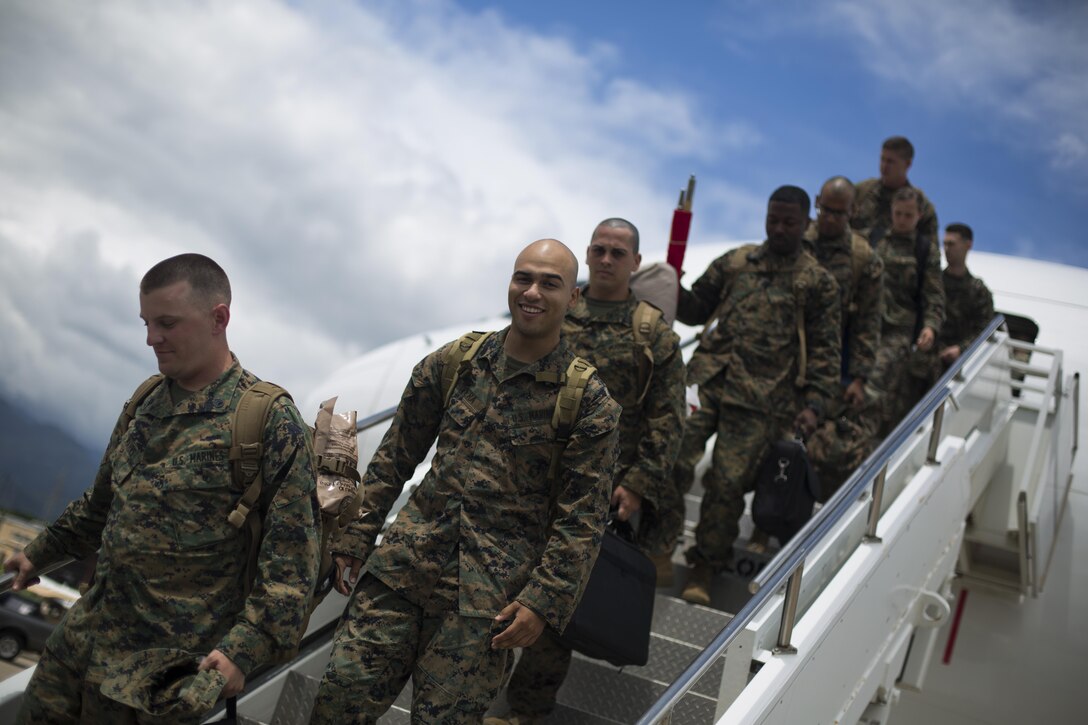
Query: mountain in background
[{"x": 42, "y": 467}]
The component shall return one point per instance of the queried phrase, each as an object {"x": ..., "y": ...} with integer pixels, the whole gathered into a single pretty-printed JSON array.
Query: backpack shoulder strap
[
  {"x": 800, "y": 289},
  {"x": 860, "y": 254},
  {"x": 567, "y": 405},
  {"x": 457, "y": 354},
  {"x": 246, "y": 452},
  {"x": 139, "y": 396},
  {"x": 643, "y": 323},
  {"x": 739, "y": 259}
]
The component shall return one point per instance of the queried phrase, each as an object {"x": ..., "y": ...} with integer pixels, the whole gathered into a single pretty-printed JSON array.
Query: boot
[
  {"x": 697, "y": 590},
  {"x": 663, "y": 564}
]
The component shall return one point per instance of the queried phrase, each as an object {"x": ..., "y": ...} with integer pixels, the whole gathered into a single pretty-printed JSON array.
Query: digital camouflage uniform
[
  {"x": 903, "y": 373},
  {"x": 476, "y": 535},
  {"x": 969, "y": 307},
  {"x": 873, "y": 210},
  {"x": 845, "y": 438},
  {"x": 652, "y": 397},
  {"x": 171, "y": 569},
  {"x": 747, "y": 367}
]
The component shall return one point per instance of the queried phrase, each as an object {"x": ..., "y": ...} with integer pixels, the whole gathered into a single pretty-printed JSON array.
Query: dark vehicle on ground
[{"x": 25, "y": 623}]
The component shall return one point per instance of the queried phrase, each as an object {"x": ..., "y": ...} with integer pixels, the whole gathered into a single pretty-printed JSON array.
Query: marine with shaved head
[
  {"x": 844, "y": 440},
  {"x": 499, "y": 538}
]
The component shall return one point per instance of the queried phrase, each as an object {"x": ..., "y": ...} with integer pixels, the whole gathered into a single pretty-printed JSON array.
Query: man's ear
[
  {"x": 220, "y": 318},
  {"x": 574, "y": 297}
]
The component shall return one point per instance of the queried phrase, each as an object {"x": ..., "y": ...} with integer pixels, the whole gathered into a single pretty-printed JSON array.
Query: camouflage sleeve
[
  {"x": 557, "y": 582},
  {"x": 982, "y": 311},
  {"x": 864, "y": 331},
  {"x": 823, "y": 337},
  {"x": 270, "y": 625},
  {"x": 662, "y": 419},
  {"x": 403, "y": 448},
  {"x": 77, "y": 533},
  {"x": 933, "y": 290},
  {"x": 695, "y": 307}
]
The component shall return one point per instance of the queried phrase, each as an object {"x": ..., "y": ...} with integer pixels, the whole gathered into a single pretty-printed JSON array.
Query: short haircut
[
  {"x": 206, "y": 278},
  {"x": 793, "y": 195},
  {"x": 617, "y": 223},
  {"x": 839, "y": 183},
  {"x": 900, "y": 145},
  {"x": 962, "y": 229},
  {"x": 908, "y": 193}
]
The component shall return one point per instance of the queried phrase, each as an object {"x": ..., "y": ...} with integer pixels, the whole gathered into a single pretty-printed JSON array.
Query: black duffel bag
[
  {"x": 786, "y": 489},
  {"x": 612, "y": 620}
]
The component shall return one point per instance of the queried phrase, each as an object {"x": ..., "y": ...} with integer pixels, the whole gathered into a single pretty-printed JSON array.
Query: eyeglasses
[{"x": 834, "y": 212}]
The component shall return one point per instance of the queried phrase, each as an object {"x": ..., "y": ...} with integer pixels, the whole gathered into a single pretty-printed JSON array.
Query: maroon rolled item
[
  {"x": 681, "y": 227},
  {"x": 678, "y": 239}
]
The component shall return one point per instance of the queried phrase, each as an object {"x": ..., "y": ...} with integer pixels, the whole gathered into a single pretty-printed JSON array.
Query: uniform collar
[
  {"x": 812, "y": 240},
  {"x": 617, "y": 313},
  {"x": 770, "y": 260},
  {"x": 216, "y": 397},
  {"x": 555, "y": 362}
]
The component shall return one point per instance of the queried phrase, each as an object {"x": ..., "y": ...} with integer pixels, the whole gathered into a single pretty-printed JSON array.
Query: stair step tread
[
  {"x": 686, "y": 622},
  {"x": 619, "y": 696}
]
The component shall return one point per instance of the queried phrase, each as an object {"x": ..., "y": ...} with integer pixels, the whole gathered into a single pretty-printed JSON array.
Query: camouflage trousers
[
  {"x": 384, "y": 639},
  {"x": 539, "y": 674},
  {"x": 59, "y": 693},
  {"x": 743, "y": 439},
  {"x": 901, "y": 377}
]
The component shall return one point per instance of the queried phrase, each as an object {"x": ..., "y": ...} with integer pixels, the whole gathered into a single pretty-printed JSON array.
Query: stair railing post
[
  {"x": 875, "y": 502},
  {"x": 935, "y": 435},
  {"x": 789, "y": 613}
]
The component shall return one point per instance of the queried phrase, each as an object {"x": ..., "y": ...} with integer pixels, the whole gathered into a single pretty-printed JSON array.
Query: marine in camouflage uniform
[
  {"x": 873, "y": 203},
  {"x": 646, "y": 377},
  {"x": 486, "y": 531},
  {"x": 969, "y": 305},
  {"x": 171, "y": 568},
  {"x": 912, "y": 312},
  {"x": 845, "y": 438},
  {"x": 748, "y": 369}
]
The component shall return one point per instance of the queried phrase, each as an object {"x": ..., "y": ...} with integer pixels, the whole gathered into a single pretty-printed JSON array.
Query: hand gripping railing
[{"x": 787, "y": 566}]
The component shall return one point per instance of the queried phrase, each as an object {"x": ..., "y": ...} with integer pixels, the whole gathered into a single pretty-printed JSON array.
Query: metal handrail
[
  {"x": 792, "y": 556},
  {"x": 372, "y": 420}
]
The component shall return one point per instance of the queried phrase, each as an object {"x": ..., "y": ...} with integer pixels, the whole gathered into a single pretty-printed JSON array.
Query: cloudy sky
[{"x": 366, "y": 170}]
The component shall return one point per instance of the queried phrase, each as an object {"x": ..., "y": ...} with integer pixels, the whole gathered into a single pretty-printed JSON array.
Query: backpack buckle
[{"x": 248, "y": 457}]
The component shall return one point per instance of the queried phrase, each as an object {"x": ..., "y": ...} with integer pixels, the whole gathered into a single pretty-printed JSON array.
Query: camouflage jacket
[
  {"x": 901, "y": 306},
  {"x": 171, "y": 569},
  {"x": 873, "y": 207},
  {"x": 861, "y": 290},
  {"x": 753, "y": 306},
  {"x": 969, "y": 307},
  {"x": 481, "y": 521},
  {"x": 651, "y": 393}
]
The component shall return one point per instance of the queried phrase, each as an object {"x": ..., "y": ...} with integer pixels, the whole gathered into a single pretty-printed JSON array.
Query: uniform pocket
[
  {"x": 196, "y": 501},
  {"x": 533, "y": 447}
]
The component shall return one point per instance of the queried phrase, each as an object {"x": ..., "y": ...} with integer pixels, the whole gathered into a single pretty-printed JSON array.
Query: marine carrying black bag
[
  {"x": 786, "y": 489},
  {"x": 612, "y": 621}
]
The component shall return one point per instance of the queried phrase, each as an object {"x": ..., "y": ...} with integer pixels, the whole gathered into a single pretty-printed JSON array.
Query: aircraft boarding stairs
[{"x": 847, "y": 614}]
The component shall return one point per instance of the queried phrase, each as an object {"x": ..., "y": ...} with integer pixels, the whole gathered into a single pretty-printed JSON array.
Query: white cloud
[
  {"x": 360, "y": 170},
  {"x": 1019, "y": 62}
]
